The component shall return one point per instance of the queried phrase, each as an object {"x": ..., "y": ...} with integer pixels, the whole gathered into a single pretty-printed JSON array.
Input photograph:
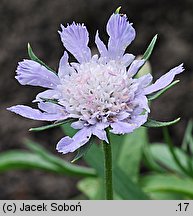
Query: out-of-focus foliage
[{"x": 169, "y": 175}]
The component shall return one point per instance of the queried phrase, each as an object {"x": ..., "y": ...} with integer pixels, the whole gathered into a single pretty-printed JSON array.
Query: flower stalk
[{"x": 108, "y": 170}]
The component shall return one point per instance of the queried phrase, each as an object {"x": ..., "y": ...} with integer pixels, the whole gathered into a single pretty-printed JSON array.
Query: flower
[{"x": 97, "y": 92}]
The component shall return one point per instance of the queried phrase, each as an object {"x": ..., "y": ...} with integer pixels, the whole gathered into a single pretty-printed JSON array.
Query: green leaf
[
  {"x": 63, "y": 166},
  {"x": 50, "y": 126},
  {"x": 168, "y": 183},
  {"x": 123, "y": 185},
  {"x": 149, "y": 50},
  {"x": 154, "y": 123},
  {"x": 16, "y": 159},
  {"x": 176, "y": 158},
  {"x": 116, "y": 143},
  {"x": 118, "y": 10},
  {"x": 54, "y": 101},
  {"x": 82, "y": 151},
  {"x": 68, "y": 130},
  {"x": 93, "y": 188},
  {"x": 35, "y": 58},
  {"x": 188, "y": 140},
  {"x": 149, "y": 160},
  {"x": 95, "y": 159},
  {"x": 131, "y": 152},
  {"x": 161, "y": 154},
  {"x": 157, "y": 195},
  {"x": 158, "y": 94}
]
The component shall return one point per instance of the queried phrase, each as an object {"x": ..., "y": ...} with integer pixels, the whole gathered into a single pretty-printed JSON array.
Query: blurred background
[{"x": 37, "y": 22}]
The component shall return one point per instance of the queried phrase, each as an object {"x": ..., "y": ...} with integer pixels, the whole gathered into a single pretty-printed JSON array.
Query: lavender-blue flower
[{"x": 98, "y": 91}]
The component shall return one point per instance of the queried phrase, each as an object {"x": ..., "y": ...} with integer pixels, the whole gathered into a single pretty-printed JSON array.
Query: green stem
[{"x": 108, "y": 172}]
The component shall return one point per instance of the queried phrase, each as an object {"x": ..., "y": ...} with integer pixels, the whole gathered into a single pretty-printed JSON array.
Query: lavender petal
[
  {"x": 64, "y": 67},
  {"x": 36, "y": 114},
  {"x": 48, "y": 94},
  {"x": 164, "y": 80},
  {"x": 32, "y": 73},
  {"x": 101, "y": 46},
  {"x": 121, "y": 35},
  {"x": 75, "y": 38},
  {"x": 68, "y": 144},
  {"x": 134, "y": 67}
]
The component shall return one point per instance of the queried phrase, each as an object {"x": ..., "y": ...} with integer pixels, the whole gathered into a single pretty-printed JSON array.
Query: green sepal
[
  {"x": 149, "y": 50},
  {"x": 82, "y": 150},
  {"x": 155, "y": 124},
  {"x": 55, "y": 101},
  {"x": 35, "y": 58},
  {"x": 118, "y": 10},
  {"x": 159, "y": 93},
  {"x": 50, "y": 126}
]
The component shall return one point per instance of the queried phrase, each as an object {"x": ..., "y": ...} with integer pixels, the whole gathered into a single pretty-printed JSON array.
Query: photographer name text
[{"x": 54, "y": 207}]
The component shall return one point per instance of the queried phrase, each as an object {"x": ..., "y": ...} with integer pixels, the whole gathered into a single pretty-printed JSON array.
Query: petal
[
  {"x": 123, "y": 115},
  {"x": 122, "y": 127},
  {"x": 164, "y": 80},
  {"x": 99, "y": 131},
  {"x": 144, "y": 80},
  {"x": 36, "y": 114},
  {"x": 121, "y": 35},
  {"x": 77, "y": 125},
  {"x": 101, "y": 134},
  {"x": 48, "y": 94},
  {"x": 68, "y": 144},
  {"x": 75, "y": 38},
  {"x": 64, "y": 67},
  {"x": 51, "y": 108},
  {"x": 128, "y": 127},
  {"x": 134, "y": 67},
  {"x": 101, "y": 46},
  {"x": 32, "y": 73},
  {"x": 127, "y": 59},
  {"x": 139, "y": 120}
]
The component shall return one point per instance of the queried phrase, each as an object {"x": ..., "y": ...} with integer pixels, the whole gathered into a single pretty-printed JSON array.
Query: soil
[{"x": 37, "y": 22}]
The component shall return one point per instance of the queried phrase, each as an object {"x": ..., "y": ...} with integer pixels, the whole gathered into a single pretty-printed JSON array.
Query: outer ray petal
[
  {"x": 32, "y": 73},
  {"x": 134, "y": 67},
  {"x": 75, "y": 38},
  {"x": 48, "y": 94},
  {"x": 68, "y": 144},
  {"x": 122, "y": 127},
  {"x": 164, "y": 80},
  {"x": 99, "y": 131},
  {"x": 64, "y": 67},
  {"x": 121, "y": 35},
  {"x": 101, "y": 46},
  {"x": 36, "y": 114}
]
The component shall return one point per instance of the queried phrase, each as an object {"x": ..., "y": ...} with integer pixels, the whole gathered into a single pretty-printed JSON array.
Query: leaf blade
[
  {"x": 82, "y": 151},
  {"x": 161, "y": 154},
  {"x": 123, "y": 185},
  {"x": 50, "y": 126},
  {"x": 168, "y": 183},
  {"x": 155, "y": 124},
  {"x": 64, "y": 166},
  {"x": 132, "y": 145},
  {"x": 36, "y": 59},
  {"x": 149, "y": 50}
]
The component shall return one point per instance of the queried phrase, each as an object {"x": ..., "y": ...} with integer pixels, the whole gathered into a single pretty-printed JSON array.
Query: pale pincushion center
[{"x": 97, "y": 89}]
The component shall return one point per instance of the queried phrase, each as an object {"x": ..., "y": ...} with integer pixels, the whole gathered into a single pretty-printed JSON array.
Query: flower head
[{"x": 98, "y": 91}]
